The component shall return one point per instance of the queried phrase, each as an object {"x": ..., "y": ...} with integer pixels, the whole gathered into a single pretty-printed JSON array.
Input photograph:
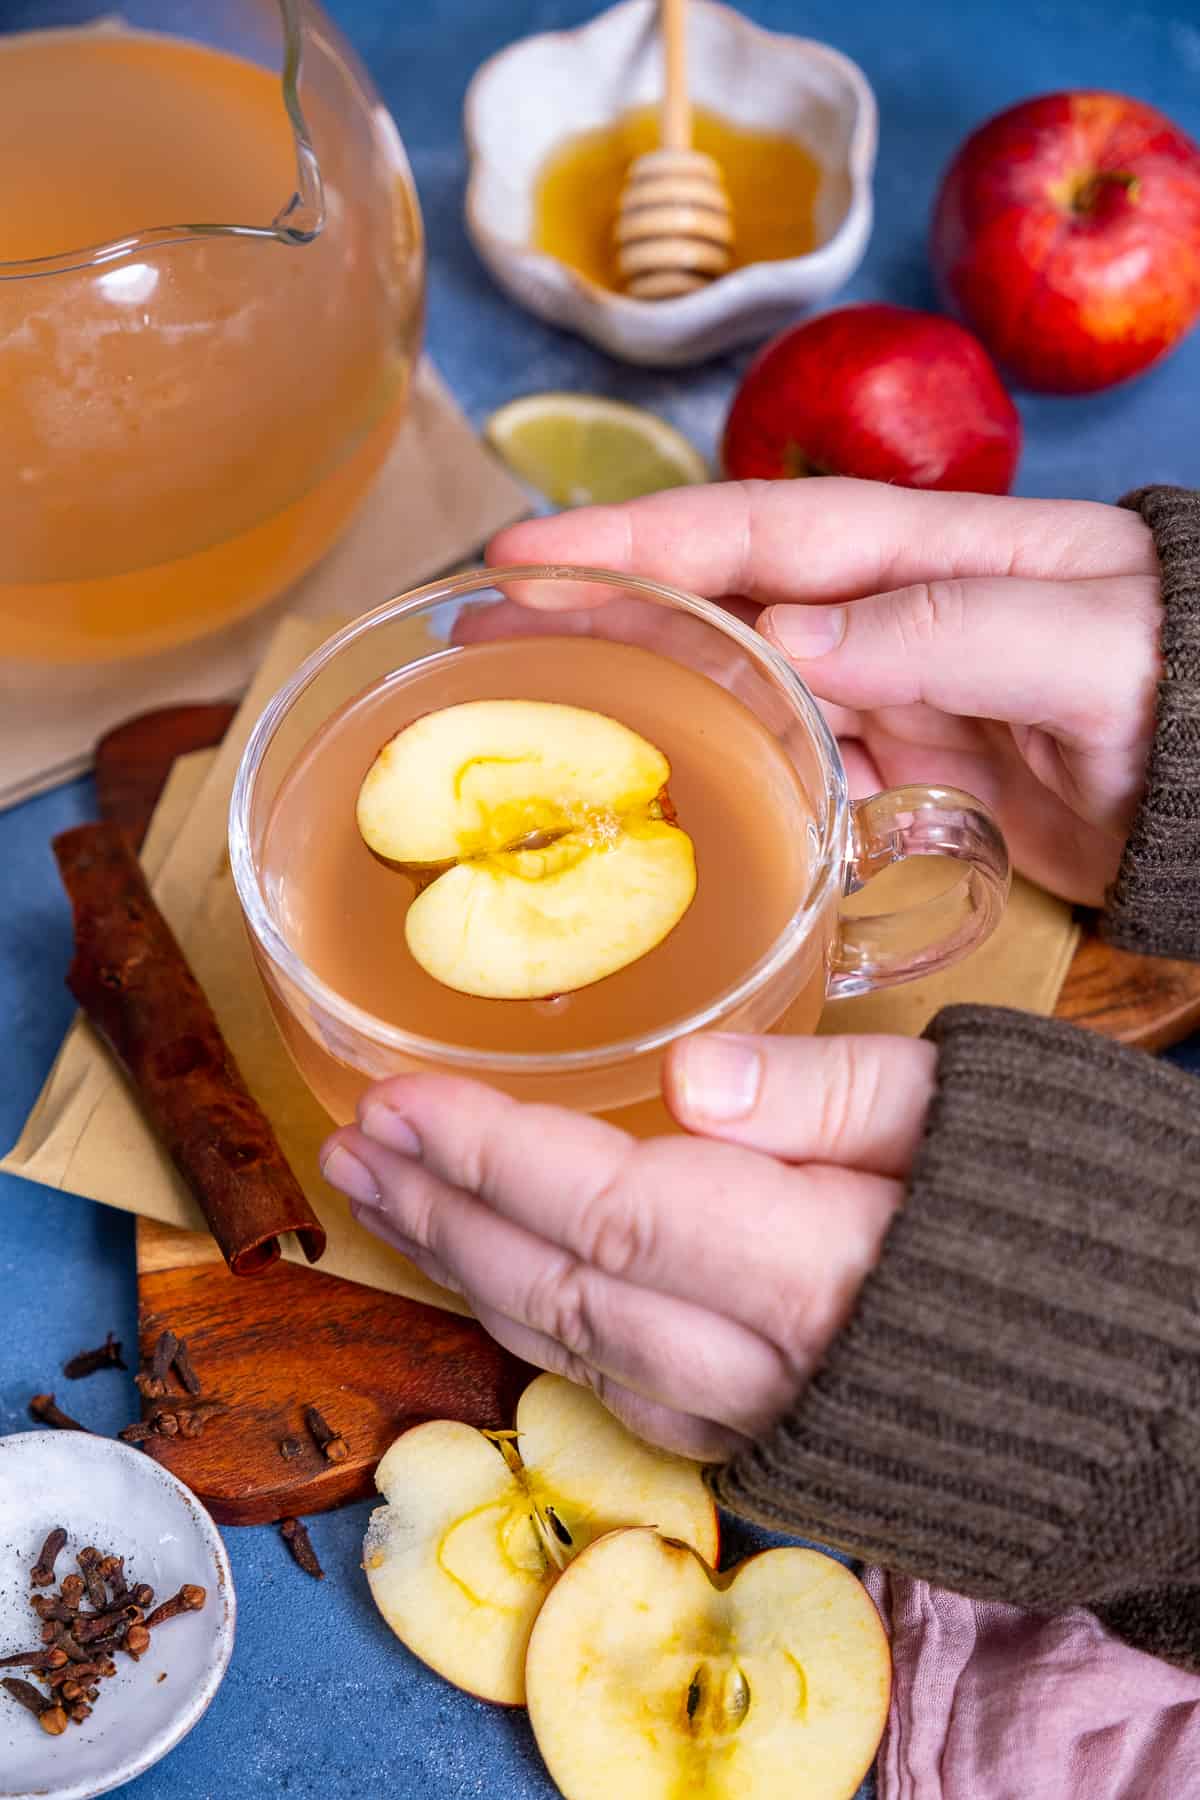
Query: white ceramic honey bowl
[{"x": 529, "y": 99}]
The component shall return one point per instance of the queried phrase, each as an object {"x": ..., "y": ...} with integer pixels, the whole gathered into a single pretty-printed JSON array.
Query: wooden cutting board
[{"x": 271, "y": 1344}]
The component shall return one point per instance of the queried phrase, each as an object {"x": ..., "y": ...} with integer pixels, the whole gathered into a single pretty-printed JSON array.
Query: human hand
[
  {"x": 693, "y": 1285},
  {"x": 1008, "y": 647}
]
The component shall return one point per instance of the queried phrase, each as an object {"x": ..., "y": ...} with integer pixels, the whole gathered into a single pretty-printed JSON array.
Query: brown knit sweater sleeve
[
  {"x": 1013, "y": 1410},
  {"x": 1154, "y": 904}
]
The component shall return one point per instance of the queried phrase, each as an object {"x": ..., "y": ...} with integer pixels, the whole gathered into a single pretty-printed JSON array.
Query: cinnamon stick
[
  {"x": 133, "y": 760},
  {"x": 132, "y": 980}
]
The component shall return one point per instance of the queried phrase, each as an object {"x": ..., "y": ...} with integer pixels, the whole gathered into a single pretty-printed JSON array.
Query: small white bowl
[
  {"x": 528, "y": 99},
  {"x": 106, "y": 1494}
]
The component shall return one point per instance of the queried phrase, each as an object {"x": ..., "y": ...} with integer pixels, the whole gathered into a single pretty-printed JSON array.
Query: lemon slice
[{"x": 580, "y": 450}]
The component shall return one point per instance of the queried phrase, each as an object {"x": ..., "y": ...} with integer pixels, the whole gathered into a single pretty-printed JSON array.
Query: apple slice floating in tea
[
  {"x": 650, "y": 1677},
  {"x": 548, "y": 834},
  {"x": 477, "y": 1529}
]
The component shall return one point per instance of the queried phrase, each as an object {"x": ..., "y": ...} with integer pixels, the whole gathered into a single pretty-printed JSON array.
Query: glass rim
[
  {"x": 269, "y": 937},
  {"x": 299, "y": 220}
]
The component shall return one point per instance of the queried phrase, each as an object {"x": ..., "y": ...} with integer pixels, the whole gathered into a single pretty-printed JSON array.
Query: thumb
[
  {"x": 859, "y": 1102},
  {"x": 1066, "y": 655}
]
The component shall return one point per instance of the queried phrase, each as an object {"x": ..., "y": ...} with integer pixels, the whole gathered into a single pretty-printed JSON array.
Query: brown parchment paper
[{"x": 86, "y": 1134}]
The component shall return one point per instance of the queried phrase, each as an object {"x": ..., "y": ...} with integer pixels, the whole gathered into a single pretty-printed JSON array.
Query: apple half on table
[
  {"x": 651, "y": 1678},
  {"x": 542, "y": 839},
  {"x": 478, "y": 1527}
]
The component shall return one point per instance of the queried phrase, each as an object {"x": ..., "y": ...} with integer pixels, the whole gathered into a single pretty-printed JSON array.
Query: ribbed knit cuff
[
  {"x": 1014, "y": 1408},
  {"x": 1154, "y": 904}
]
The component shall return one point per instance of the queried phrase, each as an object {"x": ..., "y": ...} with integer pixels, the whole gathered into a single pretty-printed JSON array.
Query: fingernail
[
  {"x": 806, "y": 632},
  {"x": 390, "y": 1128},
  {"x": 354, "y": 1179},
  {"x": 718, "y": 1077}
]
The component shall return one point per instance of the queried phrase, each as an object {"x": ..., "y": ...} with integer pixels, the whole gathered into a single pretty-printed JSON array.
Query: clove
[
  {"x": 70, "y": 1590},
  {"x": 290, "y": 1448},
  {"x": 183, "y": 1368},
  {"x": 137, "y": 1642},
  {"x": 164, "y": 1355},
  {"x": 295, "y": 1536},
  {"x": 330, "y": 1443},
  {"x": 102, "y": 1625},
  {"x": 88, "y": 1362},
  {"x": 89, "y": 1561},
  {"x": 42, "y": 1572},
  {"x": 193, "y": 1419},
  {"x": 48, "y": 1609},
  {"x": 41, "y": 1661},
  {"x": 66, "y": 1641},
  {"x": 44, "y": 1409},
  {"x": 50, "y": 1716},
  {"x": 190, "y": 1598},
  {"x": 140, "y": 1432}
]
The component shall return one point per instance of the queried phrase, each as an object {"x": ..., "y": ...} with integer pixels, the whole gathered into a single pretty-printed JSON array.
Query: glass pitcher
[{"x": 211, "y": 289}]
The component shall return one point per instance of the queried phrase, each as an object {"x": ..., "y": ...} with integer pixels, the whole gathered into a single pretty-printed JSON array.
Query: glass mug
[
  {"x": 211, "y": 292},
  {"x": 340, "y": 1047}
]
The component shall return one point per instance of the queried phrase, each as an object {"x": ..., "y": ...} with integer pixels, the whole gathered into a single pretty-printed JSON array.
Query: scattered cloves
[
  {"x": 295, "y": 1536},
  {"x": 45, "y": 1411},
  {"x": 77, "y": 1647},
  {"x": 87, "y": 1362},
  {"x": 330, "y": 1443}
]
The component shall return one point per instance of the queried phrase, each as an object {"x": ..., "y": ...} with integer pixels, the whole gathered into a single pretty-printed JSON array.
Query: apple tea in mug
[
  {"x": 530, "y": 826},
  {"x": 539, "y": 845}
]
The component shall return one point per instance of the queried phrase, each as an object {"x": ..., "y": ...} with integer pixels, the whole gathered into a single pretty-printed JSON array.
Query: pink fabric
[{"x": 992, "y": 1703}]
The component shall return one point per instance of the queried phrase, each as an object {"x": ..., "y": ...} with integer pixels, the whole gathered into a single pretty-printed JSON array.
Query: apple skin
[
  {"x": 1067, "y": 234},
  {"x": 881, "y": 392}
]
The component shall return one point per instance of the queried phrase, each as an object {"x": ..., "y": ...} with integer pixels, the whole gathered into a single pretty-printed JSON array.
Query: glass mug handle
[{"x": 887, "y": 948}]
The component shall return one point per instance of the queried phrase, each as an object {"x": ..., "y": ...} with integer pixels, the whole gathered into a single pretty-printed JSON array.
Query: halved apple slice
[
  {"x": 477, "y": 1529},
  {"x": 771, "y": 1680},
  {"x": 555, "y": 855}
]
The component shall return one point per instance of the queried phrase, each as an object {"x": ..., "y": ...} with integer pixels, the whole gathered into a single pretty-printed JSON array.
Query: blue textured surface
[{"x": 319, "y": 1700}]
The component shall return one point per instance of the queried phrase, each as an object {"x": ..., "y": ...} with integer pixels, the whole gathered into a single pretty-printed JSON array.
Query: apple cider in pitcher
[
  {"x": 543, "y": 845},
  {"x": 208, "y": 318}
]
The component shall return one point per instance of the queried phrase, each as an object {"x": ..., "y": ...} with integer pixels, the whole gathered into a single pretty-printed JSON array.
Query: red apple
[
  {"x": 876, "y": 391},
  {"x": 1067, "y": 233}
]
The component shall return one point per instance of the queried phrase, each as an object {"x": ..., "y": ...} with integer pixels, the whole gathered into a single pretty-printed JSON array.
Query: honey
[{"x": 772, "y": 182}]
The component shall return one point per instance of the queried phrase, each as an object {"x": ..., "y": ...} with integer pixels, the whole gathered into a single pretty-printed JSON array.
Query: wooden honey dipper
[{"x": 674, "y": 231}]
